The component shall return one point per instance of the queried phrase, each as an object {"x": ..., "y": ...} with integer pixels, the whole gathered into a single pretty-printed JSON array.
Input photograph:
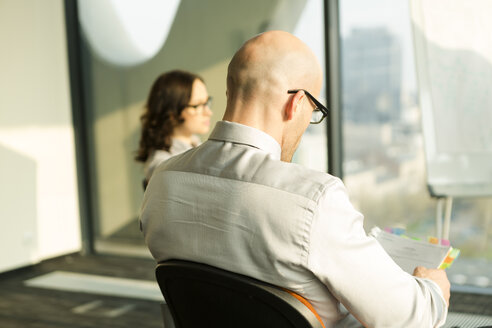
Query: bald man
[{"x": 237, "y": 203}]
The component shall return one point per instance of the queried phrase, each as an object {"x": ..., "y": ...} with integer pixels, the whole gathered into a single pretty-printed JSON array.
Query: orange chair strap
[{"x": 307, "y": 304}]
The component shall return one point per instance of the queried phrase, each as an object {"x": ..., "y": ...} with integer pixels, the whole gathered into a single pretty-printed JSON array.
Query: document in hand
[{"x": 409, "y": 253}]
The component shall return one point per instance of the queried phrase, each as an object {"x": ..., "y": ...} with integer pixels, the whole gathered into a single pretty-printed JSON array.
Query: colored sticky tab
[
  {"x": 454, "y": 253},
  {"x": 445, "y": 242},
  {"x": 444, "y": 266},
  {"x": 451, "y": 256},
  {"x": 388, "y": 229},
  {"x": 433, "y": 240},
  {"x": 398, "y": 231},
  {"x": 448, "y": 260}
]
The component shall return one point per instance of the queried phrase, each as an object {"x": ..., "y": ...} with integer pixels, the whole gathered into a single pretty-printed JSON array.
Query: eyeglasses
[
  {"x": 198, "y": 108},
  {"x": 319, "y": 113}
]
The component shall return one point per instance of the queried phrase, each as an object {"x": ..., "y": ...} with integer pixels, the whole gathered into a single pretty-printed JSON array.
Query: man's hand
[{"x": 436, "y": 275}]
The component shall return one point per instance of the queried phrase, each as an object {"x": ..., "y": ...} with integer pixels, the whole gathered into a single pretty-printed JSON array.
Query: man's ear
[{"x": 293, "y": 105}]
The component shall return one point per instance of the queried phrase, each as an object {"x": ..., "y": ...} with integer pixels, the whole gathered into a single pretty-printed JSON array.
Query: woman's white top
[{"x": 178, "y": 146}]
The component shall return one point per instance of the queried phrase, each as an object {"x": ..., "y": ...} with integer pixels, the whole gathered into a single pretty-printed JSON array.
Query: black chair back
[{"x": 199, "y": 295}]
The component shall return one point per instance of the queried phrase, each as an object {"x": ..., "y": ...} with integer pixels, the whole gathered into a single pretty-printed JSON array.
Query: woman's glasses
[
  {"x": 199, "y": 108},
  {"x": 319, "y": 113}
]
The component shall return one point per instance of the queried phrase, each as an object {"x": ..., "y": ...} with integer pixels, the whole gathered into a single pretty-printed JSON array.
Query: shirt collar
[{"x": 243, "y": 134}]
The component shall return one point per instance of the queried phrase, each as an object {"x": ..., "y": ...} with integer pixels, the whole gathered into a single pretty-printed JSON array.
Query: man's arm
[{"x": 360, "y": 274}]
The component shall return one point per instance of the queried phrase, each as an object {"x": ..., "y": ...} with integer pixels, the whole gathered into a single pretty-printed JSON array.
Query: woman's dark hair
[{"x": 169, "y": 95}]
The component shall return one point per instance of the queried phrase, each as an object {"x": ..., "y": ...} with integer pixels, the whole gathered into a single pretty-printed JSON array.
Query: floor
[
  {"x": 22, "y": 306},
  {"x": 26, "y": 301}
]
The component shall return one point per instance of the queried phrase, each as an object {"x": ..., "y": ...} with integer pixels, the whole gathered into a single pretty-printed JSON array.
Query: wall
[{"x": 38, "y": 191}]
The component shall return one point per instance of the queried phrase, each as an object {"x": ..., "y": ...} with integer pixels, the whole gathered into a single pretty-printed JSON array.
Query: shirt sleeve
[{"x": 362, "y": 276}]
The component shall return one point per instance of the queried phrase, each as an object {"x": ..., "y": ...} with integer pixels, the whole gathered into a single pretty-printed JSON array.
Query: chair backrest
[{"x": 199, "y": 295}]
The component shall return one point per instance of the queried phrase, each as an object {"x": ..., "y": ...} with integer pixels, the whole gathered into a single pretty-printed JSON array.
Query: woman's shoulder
[
  {"x": 160, "y": 155},
  {"x": 157, "y": 157}
]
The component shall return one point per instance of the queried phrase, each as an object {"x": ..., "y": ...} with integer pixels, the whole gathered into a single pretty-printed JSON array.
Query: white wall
[{"x": 39, "y": 212}]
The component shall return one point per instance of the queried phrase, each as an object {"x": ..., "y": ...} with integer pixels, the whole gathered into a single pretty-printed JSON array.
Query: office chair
[{"x": 199, "y": 295}]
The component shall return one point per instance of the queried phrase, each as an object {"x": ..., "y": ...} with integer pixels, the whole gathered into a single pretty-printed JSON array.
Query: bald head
[
  {"x": 258, "y": 78},
  {"x": 269, "y": 64}
]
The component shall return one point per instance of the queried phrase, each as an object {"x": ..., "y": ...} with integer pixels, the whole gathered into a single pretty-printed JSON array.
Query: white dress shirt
[{"x": 231, "y": 203}]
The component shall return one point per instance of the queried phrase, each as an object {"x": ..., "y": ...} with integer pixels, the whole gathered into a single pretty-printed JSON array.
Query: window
[{"x": 383, "y": 147}]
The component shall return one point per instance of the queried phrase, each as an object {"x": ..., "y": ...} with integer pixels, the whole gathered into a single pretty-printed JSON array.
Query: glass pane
[
  {"x": 203, "y": 36},
  {"x": 312, "y": 151},
  {"x": 384, "y": 163}
]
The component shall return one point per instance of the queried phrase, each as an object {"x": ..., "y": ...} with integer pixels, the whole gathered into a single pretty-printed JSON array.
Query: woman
[{"x": 177, "y": 109}]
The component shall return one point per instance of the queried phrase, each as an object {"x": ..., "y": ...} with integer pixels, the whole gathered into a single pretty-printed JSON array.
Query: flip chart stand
[{"x": 443, "y": 216}]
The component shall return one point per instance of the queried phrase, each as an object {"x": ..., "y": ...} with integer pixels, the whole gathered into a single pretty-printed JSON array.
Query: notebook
[{"x": 409, "y": 253}]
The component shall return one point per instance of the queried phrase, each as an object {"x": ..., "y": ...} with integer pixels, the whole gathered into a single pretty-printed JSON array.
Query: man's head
[{"x": 259, "y": 76}]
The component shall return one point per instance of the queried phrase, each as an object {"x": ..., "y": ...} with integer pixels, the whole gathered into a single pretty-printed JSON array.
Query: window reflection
[
  {"x": 203, "y": 36},
  {"x": 312, "y": 151}
]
